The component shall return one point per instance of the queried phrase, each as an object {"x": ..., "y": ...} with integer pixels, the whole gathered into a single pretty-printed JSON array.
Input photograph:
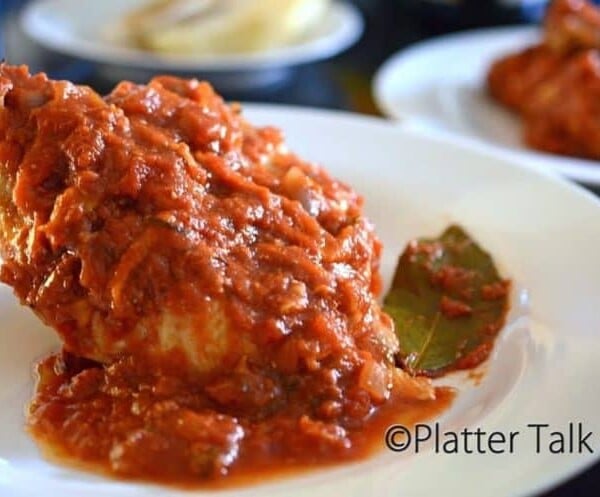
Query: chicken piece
[
  {"x": 513, "y": 78},
  {"x": 157, "y": 224},
  {"x": 563, "y": 114},
  {"x": 555, "y": 85},
  {"x": 572, "y": 25}
]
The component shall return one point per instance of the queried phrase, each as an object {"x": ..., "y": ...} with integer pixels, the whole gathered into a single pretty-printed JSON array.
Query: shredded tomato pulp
[
  {"x": 133, "y": 424},
  {"x": 215, "y": 294}
]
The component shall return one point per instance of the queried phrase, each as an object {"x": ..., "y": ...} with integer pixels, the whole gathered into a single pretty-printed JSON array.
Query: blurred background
[
  {"x": 334, "y": 70},
  {"x": 342, "y": 82}
]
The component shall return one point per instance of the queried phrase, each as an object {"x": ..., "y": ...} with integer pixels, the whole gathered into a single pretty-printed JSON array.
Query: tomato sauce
[
  {"x": 124, "y": 422},
  {"x": 215, "y": 294}
]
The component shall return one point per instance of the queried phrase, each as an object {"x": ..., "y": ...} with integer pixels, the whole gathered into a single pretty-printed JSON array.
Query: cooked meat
[
  {"x": 215, "y": 294},
  {"x": 562, "y": 121},
  {"x": 572, "y": 25},
  {"x": 210, "y": 287},
  {"x": 555, "y": 85},
  {"x": 513, "y": 78},
  {"x": 157, "y": 223}
]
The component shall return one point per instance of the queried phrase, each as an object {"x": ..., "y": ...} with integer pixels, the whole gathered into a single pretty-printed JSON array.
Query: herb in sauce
[{"x": 448, "y": 303}]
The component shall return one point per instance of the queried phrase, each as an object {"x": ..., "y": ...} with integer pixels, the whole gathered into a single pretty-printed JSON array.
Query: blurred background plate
[
  {"x": 440, "y": 85},
  {"x": 66, "y": 27}
]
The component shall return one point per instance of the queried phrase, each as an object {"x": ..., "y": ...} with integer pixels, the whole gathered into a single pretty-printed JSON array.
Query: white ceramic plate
[
  {"x": 66, "y": 26},
  {"x": 543, "y": 232},
  {"x": 440, "y": 84}
]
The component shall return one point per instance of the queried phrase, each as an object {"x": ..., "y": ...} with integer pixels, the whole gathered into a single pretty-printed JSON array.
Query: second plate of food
[{"x": 440, "y": 84}]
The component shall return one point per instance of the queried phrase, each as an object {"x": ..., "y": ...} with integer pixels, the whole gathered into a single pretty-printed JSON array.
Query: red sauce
[
  {"x": 128, "y": 423},
  {"x": 160, "y": 202},
  {"x": 125, "y": 422},
  {"x": 221, "y": 290}
]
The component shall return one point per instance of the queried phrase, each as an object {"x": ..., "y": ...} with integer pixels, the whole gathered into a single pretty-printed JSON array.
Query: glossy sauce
[
  {"x": 215, "y": 294},
  {"x": 82, "y": 412}
]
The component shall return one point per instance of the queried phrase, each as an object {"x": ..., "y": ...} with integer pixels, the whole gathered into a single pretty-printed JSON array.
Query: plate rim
[
  {"x": 389, "y": 64},
  {"x": 407, "y": 126},
  {"x": 349, "y": 31}
]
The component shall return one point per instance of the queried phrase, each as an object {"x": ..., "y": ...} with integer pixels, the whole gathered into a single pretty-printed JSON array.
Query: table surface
[{"x": 343, "y": 83}]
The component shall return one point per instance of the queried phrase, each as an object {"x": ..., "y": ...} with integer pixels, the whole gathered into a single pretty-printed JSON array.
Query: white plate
[
  {"x": 544, "y": 233},
  {"x": 440, "y": 84},
  {"x": 67, "y": 27}
]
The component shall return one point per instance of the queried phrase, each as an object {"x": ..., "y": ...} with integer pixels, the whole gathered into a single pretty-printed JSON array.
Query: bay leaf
[{"x": 448, "y": 303}]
